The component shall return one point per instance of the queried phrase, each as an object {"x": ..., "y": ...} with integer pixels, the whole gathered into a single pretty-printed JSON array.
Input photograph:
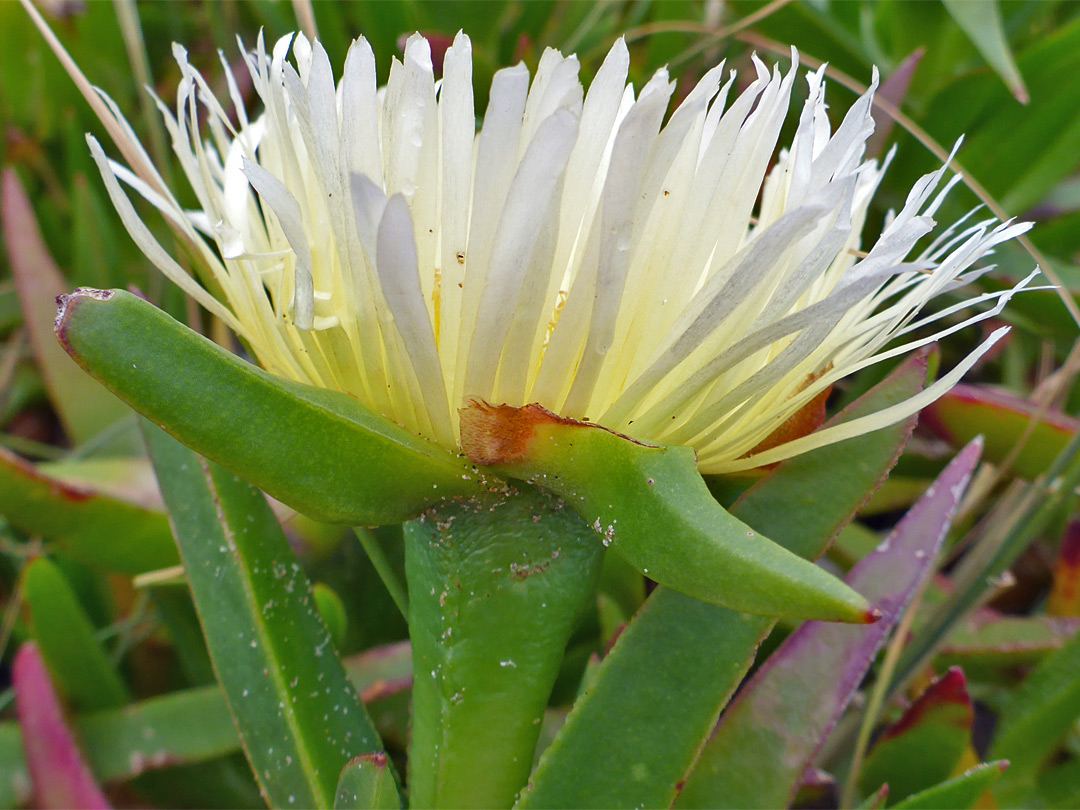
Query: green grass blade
[{"x": 993, "y": 555}]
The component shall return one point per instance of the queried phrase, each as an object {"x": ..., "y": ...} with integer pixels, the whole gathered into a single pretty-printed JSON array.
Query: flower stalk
[{"x": 496, "y": 587}]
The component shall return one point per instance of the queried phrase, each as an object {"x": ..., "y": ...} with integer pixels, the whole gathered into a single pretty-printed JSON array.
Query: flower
[{"x": 670, "y": 281}]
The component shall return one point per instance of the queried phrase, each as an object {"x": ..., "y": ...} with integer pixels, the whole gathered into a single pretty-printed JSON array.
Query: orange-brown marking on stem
[{"x": 501, "y": 434}]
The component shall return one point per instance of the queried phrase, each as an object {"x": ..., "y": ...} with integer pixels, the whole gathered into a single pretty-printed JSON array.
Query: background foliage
[{"x": 83, "y": 527}]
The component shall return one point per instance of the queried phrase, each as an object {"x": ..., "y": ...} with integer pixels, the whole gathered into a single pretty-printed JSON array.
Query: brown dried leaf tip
[
  {"x": 62, "y": 302},
  {"x": 500, "y": 434}
]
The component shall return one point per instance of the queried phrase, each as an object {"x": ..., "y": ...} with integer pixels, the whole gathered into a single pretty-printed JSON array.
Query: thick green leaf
[
  {"x": 1036, "y": 719},
  {"x": 968, "y": 411},
  {"x": 981, "y": 21},
  {"x": 129, "y": 479},
  {"x": 367, "y": 784},
  {"x": 91, "y": 528},
  {"x": 635, "y": 733},
  {"x": 958, "y": 793},
  {"x": 496, "y": 586},
  {"x": 179, "y": 728},
  {"x": 651, "y": 506},
  {"x": 65, "y": 636},
  {"x": 84, "y": 407},
  {"x": 319, "y": 451},
  {"x": 924, "y": 746},
  {"x": 299, "y": 719},
  {"x": 772, "y": 731},
  {"x": 990, "y": 642}
]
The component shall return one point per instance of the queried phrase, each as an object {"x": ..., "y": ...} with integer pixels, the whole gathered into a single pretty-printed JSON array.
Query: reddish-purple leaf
[
  {"x": 59, "y": 774},
  {"x": 772, "y": 731}
]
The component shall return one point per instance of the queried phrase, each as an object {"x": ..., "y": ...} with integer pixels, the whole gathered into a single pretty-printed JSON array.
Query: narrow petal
[
  {"x": 150, "y": 246},
  {"x": 400, "y": 277},
  {"x": 285, "y": 207}
]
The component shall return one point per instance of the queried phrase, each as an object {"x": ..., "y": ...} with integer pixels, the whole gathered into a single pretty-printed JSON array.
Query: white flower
[{"x": 577, "y": 252}]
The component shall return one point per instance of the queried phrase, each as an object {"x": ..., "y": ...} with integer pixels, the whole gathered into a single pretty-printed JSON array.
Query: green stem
[
  {"x": 496, "y": 585},
  {"x": 383, "y": 567}
]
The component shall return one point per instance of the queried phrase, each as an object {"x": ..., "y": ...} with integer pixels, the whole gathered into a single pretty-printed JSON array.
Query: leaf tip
[{"x": 65, "y": 303}]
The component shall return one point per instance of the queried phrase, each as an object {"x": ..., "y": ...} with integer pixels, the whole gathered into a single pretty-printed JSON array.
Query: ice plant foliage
[{"x": 670, "y": 277}]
